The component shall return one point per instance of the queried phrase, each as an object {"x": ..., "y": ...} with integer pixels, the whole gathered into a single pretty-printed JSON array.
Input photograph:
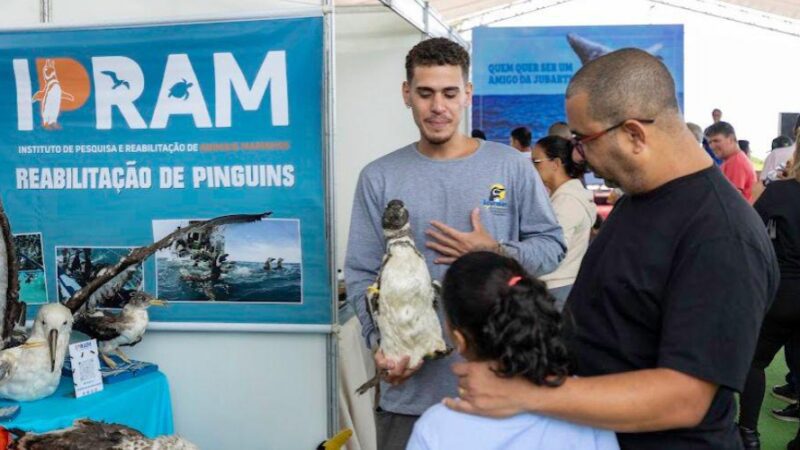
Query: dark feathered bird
[
  {"x": 90, "y": 435},
  {"x": 112, "y": 331}
]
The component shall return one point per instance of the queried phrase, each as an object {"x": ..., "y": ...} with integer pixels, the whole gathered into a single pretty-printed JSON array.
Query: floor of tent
[{"x": 775, "y": 433}]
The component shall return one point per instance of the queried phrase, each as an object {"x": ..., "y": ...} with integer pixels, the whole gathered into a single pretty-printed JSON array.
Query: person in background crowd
[
  {"x": 744, "y": 145},
  {"x": 574, "y": 207},
  {"x": 670, "y": 297},
  {"x": 736, "y": 166},
  {"x": 479, "y": 134},
  {"x": 496, "y": 312},
  {"x": 780, "y": 142},
  {"x": 779, "y": 208},
  {"x": 462, "y": 194},
  {"x": 521, "y": 139},
  {"x": 560, "y": 129},
  {"x": 716, "y": 115},
  {"x": 697, "y": 132},
  {"x": 779, "y": 155}
]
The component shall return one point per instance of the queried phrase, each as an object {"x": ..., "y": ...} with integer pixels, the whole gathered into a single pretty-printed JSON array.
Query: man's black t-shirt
[
  {"x": 679, "y": 278},
  {"x": 779, "y": 207}
]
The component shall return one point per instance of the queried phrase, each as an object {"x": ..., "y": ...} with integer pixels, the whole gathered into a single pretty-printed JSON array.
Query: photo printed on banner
[
  {"x": 78, "y": 266},
  {"x": 258, "y": 262},
  {"x": 32, "y": 282}
]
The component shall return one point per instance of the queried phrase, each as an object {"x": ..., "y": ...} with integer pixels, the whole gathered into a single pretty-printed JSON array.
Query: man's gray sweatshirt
[{"x": 514, "y": 209}]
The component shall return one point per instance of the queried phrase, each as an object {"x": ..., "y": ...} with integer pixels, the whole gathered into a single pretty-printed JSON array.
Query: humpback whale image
[
  {"x": 588, "y": 50},
  {"x": 50, "y": 96}
]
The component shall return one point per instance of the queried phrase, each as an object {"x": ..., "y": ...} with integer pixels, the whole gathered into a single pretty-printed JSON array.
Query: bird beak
[
  {"x": 158, "y": 302},
  {"x": 53, "y": 341}
]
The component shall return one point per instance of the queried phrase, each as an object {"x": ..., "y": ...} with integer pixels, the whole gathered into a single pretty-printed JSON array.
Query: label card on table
[{"x": 85, "y": 368}]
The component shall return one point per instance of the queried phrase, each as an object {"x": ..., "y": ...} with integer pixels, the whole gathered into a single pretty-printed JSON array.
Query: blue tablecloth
[{"x": 142, "y": 403}]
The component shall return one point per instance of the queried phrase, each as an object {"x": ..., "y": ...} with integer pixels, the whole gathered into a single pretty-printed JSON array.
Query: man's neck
[
  {"x": 459, "y": 146},
  {"x": 685, "y": 159}
]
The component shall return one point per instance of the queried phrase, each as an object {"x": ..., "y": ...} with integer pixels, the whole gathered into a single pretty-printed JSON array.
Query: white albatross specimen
[{"x": 33, "y": 370}]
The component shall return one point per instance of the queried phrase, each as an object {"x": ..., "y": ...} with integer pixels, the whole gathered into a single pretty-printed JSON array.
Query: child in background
[{"x": 496, "y": 312}]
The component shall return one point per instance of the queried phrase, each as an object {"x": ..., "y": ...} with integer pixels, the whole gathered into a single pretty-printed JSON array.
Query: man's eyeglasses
[{"x": 578, "y": 140}]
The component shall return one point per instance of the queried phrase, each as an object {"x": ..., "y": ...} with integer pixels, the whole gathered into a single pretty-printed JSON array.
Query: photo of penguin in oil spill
[
  {"x": 32, "y": 282},
  {"x": 78, "y": 266},
  {"x": 258, "y": 262}
]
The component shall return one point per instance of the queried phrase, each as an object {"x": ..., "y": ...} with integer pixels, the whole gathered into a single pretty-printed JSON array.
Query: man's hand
[
  {"x": 484, "y": 393},
  {"x": 451, "y": 243},
  {"x": 394, "y": 372}
]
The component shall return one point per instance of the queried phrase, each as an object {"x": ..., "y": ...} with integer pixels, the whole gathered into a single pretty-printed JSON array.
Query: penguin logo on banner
[{"x": 63, "y": 86}]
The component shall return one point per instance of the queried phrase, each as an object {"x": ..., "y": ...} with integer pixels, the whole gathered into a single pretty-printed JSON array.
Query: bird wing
[
  {"x": 138, "y": 255},
  {"x": 13, "y": 309},
  {"x": 101, "y": 325}
]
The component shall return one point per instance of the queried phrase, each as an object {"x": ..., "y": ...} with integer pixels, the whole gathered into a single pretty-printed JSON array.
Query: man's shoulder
[{"x": 389, "y": 161}]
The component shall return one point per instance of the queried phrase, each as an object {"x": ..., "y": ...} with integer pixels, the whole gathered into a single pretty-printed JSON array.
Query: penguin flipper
[
  {"x": 39, "y": 96},
  {"x": 67, "y": 96}
]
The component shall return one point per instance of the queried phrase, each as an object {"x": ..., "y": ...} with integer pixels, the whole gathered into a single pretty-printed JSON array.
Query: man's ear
[
  {"x": 406, "y": 90},
  {"x": 637, "y": 134},
  {"x": 468, "y": 89}
]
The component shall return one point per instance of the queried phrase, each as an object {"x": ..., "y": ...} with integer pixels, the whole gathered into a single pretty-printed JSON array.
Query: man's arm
[
  {"x": 541, "y": 245},
  {"x": 637, "y": 401},
  {"x": 364, "y": 253}
]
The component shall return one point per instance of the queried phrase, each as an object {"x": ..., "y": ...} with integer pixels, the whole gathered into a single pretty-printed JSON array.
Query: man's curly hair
[{"x": 437, "y": 52}]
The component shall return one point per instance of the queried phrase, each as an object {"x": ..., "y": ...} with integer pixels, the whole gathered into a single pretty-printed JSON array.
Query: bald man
[{"x": 670, "y": 296}]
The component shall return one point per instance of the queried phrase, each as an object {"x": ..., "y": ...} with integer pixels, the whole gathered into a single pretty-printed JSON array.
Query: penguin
[
  {"x": 403, "y": 300},
  {"x": 50, "y": 97}
]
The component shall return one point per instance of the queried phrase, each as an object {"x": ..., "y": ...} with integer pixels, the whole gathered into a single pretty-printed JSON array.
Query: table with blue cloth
[{"x": 141, "y": 402}]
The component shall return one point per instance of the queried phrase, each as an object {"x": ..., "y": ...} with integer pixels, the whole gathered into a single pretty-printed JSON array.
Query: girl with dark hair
[
  {"x": 496, "y": 312},
  {"x": 574, "y": 207}
]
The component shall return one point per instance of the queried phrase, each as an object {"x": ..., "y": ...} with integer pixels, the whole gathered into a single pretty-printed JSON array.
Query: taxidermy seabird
[
  {"x": 403, "y": 300},
  {"x": 12, "y": 310},
  {"x": 127, "y": 327},
  {"x": 33, "y": 370},
  {"x": 115, "y": 330},
  {"x": 138, "y": 255},
  {"x": 90, "y": 435}
]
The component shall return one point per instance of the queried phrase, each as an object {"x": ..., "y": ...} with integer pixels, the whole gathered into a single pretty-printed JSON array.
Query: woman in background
[
  {"x": 574, "y": 207},
  {"x": 779, "y": 207}
]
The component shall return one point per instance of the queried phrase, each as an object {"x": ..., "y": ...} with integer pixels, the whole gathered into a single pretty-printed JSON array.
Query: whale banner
[
  {"x": 113, "y": 138},
  {"x": 520, "y": 74}
]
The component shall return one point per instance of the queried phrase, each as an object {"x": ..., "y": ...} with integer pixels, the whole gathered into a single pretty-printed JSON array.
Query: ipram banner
[{"x": 113, "y": 138}]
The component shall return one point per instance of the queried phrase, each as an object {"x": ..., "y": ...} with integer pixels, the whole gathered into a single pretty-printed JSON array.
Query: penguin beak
[
  {"x": 52, "y": 341},
  {"x": 158, "y": 302}
]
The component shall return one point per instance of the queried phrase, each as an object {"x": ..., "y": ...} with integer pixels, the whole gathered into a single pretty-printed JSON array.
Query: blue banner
[
  {"x": 113, "y": 138},
  {"x": 520, "y": 74}
]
